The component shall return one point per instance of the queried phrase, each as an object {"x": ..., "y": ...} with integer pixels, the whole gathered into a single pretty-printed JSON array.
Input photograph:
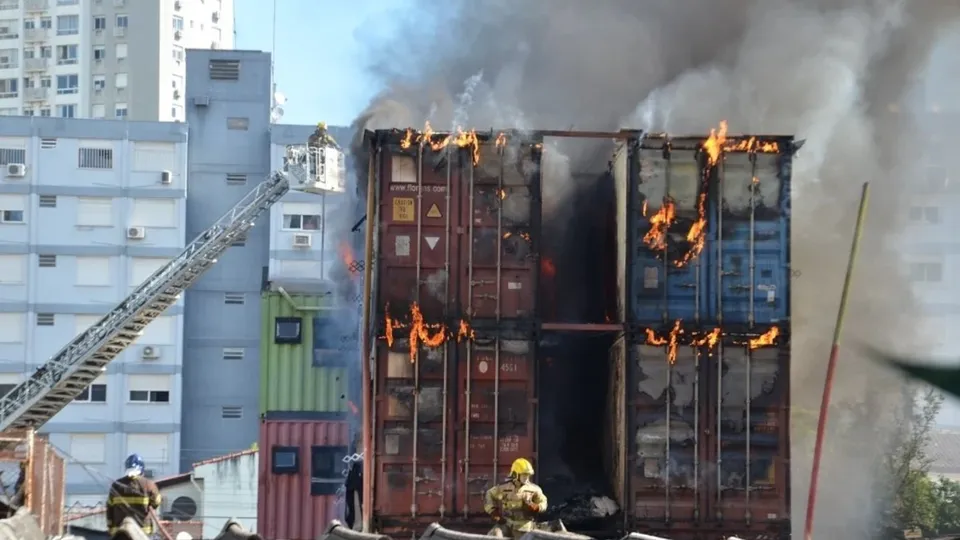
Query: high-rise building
[{"x": 121, "y": 59}]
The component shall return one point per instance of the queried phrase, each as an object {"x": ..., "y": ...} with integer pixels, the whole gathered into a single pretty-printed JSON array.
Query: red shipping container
[{"x": 301, "y": 468}]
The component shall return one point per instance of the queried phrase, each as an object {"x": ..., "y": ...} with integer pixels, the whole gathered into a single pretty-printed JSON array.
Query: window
[
  {"x": 29, "y": 24},
  {"x": 239, "y": 243},
  {"x": 148, "y": 388},
  {"x": 99, "y": 22},
  {"x": 285, "y": 459},
  {"x": 232, "y": 353},
  {"x": 9, "y": 88},
  {"x": 99, "y": 83},
  {"x": 927, "y": 272},
  {"x": 95, "y": 158},
  {"x": 98, "y": 111},
  {"x": 68, "y": 84},
  {"x": 88, "y": 447},
  {"x": 45, "y": 111},
  {"x": 9, "y": 381},
  {"x": 67, "y": 111},
  {"x": 93, "y": 271},
  {"x": 67, "y": 2},
  {"x": 224, "y": 70},
  {"x": 235, "y": 179},
  {"x": 154, "y": 213},
  {"x": 47, "y": 261},
  {"x": 326, "y": 464},
  {"x": 331, "y": 340},
  {"x": 177, "y": 22},
  {"x": 46, "y": 22},
  {"x": 238, "y": 123},
  {"x": 9, "y": 58},
  {"x": 12, "y": 208},
  {"x": 152, "y": 447},
  {"x": 46, "y": 51},
  {"x": 12, "y": 327},
  {"x": 95, "y": 393},
  {"x": 66, "y": 55},
  {"x": 121, "y": 51},
  {"x": 12, "y": 155},
  {"x": 12, "y": 269},
  {"x": 120, "y": 111},
  {"x": 48, "y": 201},
  {"x": 46, "y": 319},
  {"x": 94, "y": 212},
  {"x": 178, "y": 53},
  {"x": 234, "y": 299},
  {"x": 925, "y": 214},
  {"x": 287, "y": 330},
  {"x": 68, "y": 25},
  {"x": 232, "y": 412},
  {"x": 121, "y": 81},
  {"x": 123, "y": 21},
  {"x": 301, "y": 222},
  {"x": 99, "y": 53}
]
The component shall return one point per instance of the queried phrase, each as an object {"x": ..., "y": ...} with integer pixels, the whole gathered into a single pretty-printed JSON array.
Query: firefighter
[
  {"x": 515, "y": 504},
  {"x": 132, "y": 496},
  {"x": 321, "y": 137}
]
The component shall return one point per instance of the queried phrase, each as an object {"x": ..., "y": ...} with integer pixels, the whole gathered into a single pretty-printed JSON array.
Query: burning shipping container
[
  {"x": 43, "y": 479},
  {"x": 692, "y": 405}
]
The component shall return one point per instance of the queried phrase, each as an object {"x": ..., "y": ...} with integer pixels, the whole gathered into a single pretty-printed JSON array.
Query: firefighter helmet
[{"x": 521, "y": 466}]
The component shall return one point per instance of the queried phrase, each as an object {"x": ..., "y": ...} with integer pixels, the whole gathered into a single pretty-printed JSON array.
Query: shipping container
[
  {"x": 703, "y": 233},
  {"x": 301, "y": 470},
  {"x": 304, "y": 356},
  {"x": 679, "y": 400}
]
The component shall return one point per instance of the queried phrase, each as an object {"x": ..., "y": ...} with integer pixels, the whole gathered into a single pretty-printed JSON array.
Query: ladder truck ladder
[{"x": 69, "y": 372}]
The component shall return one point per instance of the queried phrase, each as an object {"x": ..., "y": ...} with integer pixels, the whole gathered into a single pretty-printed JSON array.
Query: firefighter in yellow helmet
[
  {"x": 515, "y": 504},
  {"x": 321, "y": 137}
]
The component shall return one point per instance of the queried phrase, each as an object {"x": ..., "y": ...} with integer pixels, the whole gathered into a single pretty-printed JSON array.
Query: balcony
[
  {"x": 36, "y": 5},
  {"x": 9, "y": 5},
  {"x": 119, "y": 31},
  {"x": 36, "y": 64},
  {"x": 36, "y": 94},
  {"x": 35, "y": 35},
  {"x": 10, "y": 33}
]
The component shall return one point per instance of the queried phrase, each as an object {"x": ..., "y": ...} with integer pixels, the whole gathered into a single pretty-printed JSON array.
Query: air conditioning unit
[
  {"x": 136, "y": 233},
  {"x": 216, "y": 16},
  {"x": 16, "y": 170},
  {"x": 302, "y": 240},
  {"x": 177, "y": 5},
  {"x": 166, "y": 178},
  {"x": 177, "y": 35},
  {"x": 149, "y": 353},
  {"x": 201, "y": 101}
]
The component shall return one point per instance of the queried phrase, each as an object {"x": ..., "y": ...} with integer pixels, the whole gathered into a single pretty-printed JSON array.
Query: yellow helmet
[
  {"x": 322, "y": 125},
  {"x": 521, "y": 466}
]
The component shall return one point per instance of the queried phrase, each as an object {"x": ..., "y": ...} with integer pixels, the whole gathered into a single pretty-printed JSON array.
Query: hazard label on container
[
  {"x": 402, "y": 246},
  {"x": 431, "y": 241},
  {"x": 403, "y": 209},
  {"x": 434, "y": 211}
]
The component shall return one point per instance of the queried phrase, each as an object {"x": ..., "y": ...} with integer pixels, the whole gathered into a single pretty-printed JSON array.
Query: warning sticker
[
  {"x": 403, "y": 209},
  {"x": 402, "y": 245},
  {"x": 434, "y": 211},
  {"x": 432, "y": 241}
]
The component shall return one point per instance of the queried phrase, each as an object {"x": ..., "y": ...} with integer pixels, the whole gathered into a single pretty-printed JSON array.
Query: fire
[
  {"x": 671, "y": 341},
  {"x": 346, "y": 255},
  {"x": 460, "y": 138},
  {"x": 708, "y": 340},
  {"x": 643, "y": 211},
  {"x": 656, "y": 237},
  {"x": 753, "y": 145},
  {"x": 696, "y": 236},
  {"x": 714, "y": 145},
  {"x": 423, "y": 334},
  {"x": 524, "y": 235},
  {"x": 547, "y": 268},
  {"x": 766, "y": 339},
  {"x": 501, "y": 140}
]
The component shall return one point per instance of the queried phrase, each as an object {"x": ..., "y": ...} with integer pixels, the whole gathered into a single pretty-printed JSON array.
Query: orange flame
[
  {"x": 501, "y": 140},
  {"x": 671, "y": 341},
  {"x": 656, "y": 237},
  {"x": 465, "y": 332},
  {"x": 753, "y": 145},
  {"x": 423, "y": 334},
  {"x": 766, "y": 339},
  {"x": 696, "y": 236},
  {"x": 714, "y": 145},
  {"x": 709, "y": 339},
  {"x": 346, "y": 255},
  {"x": 437, "y": 142},
  {"x": 547, "y": 268}
]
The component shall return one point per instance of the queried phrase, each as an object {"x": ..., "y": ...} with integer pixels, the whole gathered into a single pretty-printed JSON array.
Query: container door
[
  {"x": 500, "y": 218},
  {"x": 414, "y": 353},
  {"x": 750, "y": 388},
  {"x": 496, "y": 415},
  {"x": 666, "y": 468},
  {"x": 750, "y": 263},
  {"x": 667, "y": 280}
]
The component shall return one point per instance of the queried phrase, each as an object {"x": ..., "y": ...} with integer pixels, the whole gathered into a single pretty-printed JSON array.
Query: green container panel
[{"x": 289, "y": 380}]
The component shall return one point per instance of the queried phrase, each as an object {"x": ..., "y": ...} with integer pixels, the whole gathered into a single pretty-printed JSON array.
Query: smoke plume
[{"x": 826, "y": 71}]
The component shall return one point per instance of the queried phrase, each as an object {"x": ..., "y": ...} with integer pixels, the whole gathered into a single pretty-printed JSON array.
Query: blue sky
[{"x": 328, "y": 85}]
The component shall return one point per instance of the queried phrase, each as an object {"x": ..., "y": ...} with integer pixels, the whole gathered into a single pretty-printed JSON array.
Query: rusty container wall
[
  {"x": 301, "y": 471},
  {"x": 458, "y": 234},
  {"x": 45, "y": 487}
]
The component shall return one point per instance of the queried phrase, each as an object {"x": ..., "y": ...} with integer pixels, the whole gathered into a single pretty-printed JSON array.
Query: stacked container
[
  {"x": 304, "y": 409},
  {"x": 700, "y": 403},
  {"x": 455, "y": 305}
]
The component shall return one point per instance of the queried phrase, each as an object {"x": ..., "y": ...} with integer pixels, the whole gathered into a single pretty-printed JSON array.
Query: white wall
[{"x": 229, "y": 490}]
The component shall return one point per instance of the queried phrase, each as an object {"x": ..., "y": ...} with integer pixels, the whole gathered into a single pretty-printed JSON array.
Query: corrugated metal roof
[
  {"x": 944, "y": 451},
  {"x": 289, "y": 381}
]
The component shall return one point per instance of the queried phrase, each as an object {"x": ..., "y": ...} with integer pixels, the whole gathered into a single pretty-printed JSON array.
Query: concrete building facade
[
  {"x": 88, "y": 210},
  {"x": 104, "y": 58}
]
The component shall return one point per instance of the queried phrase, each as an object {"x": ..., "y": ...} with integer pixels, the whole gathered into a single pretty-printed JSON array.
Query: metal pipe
[
  {"x": 696, "y": 436},
  {"x": 496, "y": 341},
  {"x": 665, "y": 264},
  {"x": 751, "y": 288},
  {"x": 582, "y": 327},
  {"x": 832, "y": 362},
  {"x": 416, "y": 360},
  {"x": 365, "y": 368},
  {"x": 719, "y": 430},
  {"x": 747, "y": 479},
  {"x": 666, "y": 479},
  {"x": 446, "y": 350},
  {"x": 468, "y": 391},
  {"x": 323, "y": 231}
]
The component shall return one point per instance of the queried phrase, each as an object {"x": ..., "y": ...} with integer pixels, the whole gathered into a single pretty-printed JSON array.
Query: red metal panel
[{"x": 285, "y": 508}]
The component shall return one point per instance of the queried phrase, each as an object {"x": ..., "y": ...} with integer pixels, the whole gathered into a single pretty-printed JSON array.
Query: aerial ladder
[{"x": 310, "y": 168}]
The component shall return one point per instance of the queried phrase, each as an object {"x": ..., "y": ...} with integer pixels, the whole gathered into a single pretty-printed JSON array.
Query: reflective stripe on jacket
[
  {"x": 133, "y": 497},
  {"x": 511, "y": 499}
]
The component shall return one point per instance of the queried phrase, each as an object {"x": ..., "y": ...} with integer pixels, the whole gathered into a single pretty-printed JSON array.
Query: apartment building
[
  {"x": 120, "y": 59},
  {"x": 88, "y": 210}
]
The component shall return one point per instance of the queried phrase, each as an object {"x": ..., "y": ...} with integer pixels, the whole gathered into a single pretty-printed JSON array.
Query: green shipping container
[{"x": 292, "y": 380}]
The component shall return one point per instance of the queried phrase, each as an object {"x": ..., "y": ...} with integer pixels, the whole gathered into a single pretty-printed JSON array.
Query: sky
[{"x": 320, "y": 52}]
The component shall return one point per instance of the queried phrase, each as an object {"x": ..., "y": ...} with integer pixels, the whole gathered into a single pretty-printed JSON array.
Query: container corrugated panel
[
  {"x": 705, "y": 235},
  {"x": 301, "y": 468},
  {"x": 458, "y": 227},
  {"x": 306, "y": 374}
]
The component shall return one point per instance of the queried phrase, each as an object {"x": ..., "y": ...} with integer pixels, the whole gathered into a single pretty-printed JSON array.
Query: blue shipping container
[{"x": 704, "y": 238}]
